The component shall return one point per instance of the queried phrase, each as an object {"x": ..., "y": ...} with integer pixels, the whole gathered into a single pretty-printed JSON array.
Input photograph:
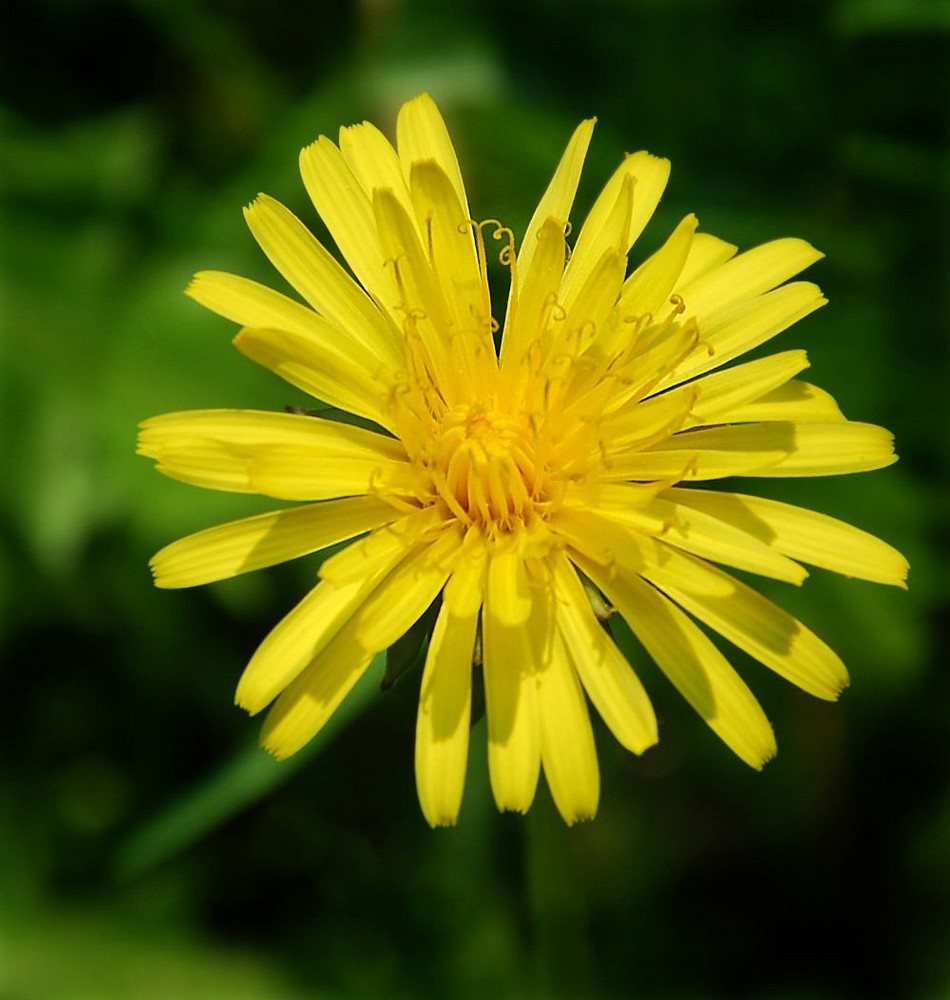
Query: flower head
[{"x": 527, "y": 488}]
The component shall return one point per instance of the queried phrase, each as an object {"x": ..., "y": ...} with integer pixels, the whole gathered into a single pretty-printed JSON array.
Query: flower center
[{"x": 484, "y": 465}]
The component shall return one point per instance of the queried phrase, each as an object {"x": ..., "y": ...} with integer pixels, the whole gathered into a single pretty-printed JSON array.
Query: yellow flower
[{"x": 528, "y": 488}]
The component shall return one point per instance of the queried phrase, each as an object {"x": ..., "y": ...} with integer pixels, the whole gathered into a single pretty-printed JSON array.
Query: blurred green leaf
[
  {"x": 868, "y": 17},
  {"x": 244, "y": 780},
  {"x": 87, "y": 954}
]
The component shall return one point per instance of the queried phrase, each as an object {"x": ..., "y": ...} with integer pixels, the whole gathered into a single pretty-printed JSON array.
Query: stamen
[
  {"x": 516, "y": 487},
  {"x": 507, "y": 254},
  {"x": 669, "y": 523},
  {"x": 486, "y": 468},
  {"x": 558, "y": 312},
  {"x": 378, "y": 493},
  {"x": 692, "y": 464},
  {"x": 497, "y": 491},
  {"x": 478, "y": 500},
  {"x": 438, "y": 479},
  {"x": 396, "y": 502}
]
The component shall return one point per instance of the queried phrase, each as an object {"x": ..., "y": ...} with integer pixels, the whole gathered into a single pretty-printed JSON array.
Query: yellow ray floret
[{"x": 445, "y": 697}]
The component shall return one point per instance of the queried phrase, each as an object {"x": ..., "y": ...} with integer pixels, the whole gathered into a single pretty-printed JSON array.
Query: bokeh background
[{"x": 147, "y": 849}]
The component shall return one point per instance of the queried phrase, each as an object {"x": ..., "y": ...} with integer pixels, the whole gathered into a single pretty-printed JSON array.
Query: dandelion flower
[{"x": 523, "y": 479}]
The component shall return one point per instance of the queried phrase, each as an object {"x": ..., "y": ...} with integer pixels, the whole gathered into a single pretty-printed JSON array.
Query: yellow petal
[
  {"x": 297, "y": 639},
  {"x": 276, "y": 454},
  {"x": 208, "y": 464},
  {"x": 748, "y": 275},
  {"x": 587, "y": 307},
  {"x": 642, "y": 425},
  {"x": 703, "y": 535},
  {"x": 802, "y": 534},
  {"x": 590, "y": 495},
  {"x": 604, "y": 231},
  {"x": 687, "y": 457},
  {"x": 530, "y": 306},
  {"x": 291, "y": 472},
  {"x": 724, "y": 392},
  {"x": 797, "y": 401},
  {"x": 373, "y": 161},
  {"x": 762, "y": 450},
  {"x": 692, "y": 663},
  {"x": 557, "y": 200},
  {"x": 421, "y": 135},
  {"x": 347, "y": 211},
  {"x": 651, "y": 174},
  {"x": 304, "y": 708},
  {"x": 359, "y": 559},
  {"x": 646, "y": 176},
  {"x": 585, "y": 534},
  {"x": 265, "y": 427},
  {"x": 651, "y": 284},
  {"x": 742, "y": 327},
  {"x": 608, "y": 678},
  {"x": 265, "y": 540},
  {"x": 409, "y": 589},
  {"x": 305, "y": 632},
  {"x": 508, "y": 587},
  {"x": 420, "y": 298},
  {"x": 511, "y": 705},
  {"x": 316, "y": 275},
  {"x": 745, "y": 618},
  {"x": 452, "y": 253},
  {"x": 821, "y": 449},
  {"x": 567, "y": 740},
  {"x": 322, "y": 368},
  {"x": 706, "y": 253},
  {"x": 369, "y": 612},
  {"x": 246, "y": 302},
  {"x": 656, "y": 356},
  {"x": 737, "y": 394},
  {"x": 465, "y": 590},
  {"x": 445, "y": 701}
]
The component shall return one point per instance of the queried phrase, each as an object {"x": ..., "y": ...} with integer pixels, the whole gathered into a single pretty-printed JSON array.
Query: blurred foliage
[{"x": 145, "y": 851}]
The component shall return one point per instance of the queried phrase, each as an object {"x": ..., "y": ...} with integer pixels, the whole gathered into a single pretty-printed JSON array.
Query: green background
[{"x": 147, "y": 849}]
